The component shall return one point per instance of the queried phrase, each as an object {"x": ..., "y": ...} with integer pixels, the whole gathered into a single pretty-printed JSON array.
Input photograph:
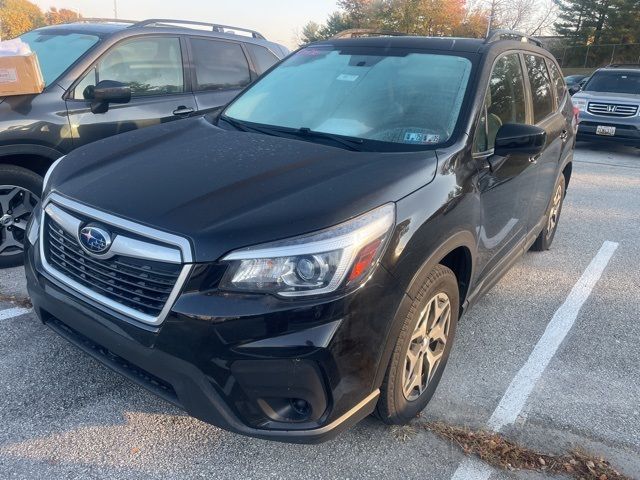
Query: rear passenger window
[
  {"x": 558, "y": 82},
  {"x": 540, "y": 87},
  {"x": 219, "y": 65},
  {"x": 262, "y": 57},
  {"x": 504, "y": 101}
]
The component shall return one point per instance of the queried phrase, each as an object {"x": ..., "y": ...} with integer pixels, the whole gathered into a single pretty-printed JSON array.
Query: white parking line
[
  {"x": 13, "y": 312},
  {"x": 525, "y": 380}
]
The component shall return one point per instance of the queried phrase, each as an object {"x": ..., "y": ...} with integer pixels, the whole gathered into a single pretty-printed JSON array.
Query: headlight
[
  {"x": 47, "y": 176},
  {"x": 580, "y": 104},
  {"x": 313, "y": 264}
]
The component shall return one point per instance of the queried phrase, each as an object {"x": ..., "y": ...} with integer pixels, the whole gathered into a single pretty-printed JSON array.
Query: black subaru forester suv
[{"x": 302, "y": 260}]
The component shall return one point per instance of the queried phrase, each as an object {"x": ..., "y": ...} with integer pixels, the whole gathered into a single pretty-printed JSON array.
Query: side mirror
[
  {"x": 106, "y": 92},
  {"x": 573, "y": 89},
  {"x": 520, "y": 139}
]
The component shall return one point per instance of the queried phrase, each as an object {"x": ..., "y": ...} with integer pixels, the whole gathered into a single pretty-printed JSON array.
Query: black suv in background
[
  {"x": 108, "y": 77},
  {"x": 306, "y": 262}
]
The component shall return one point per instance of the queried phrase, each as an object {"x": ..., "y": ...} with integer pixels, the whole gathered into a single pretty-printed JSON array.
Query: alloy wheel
[
  {"x": 16, "y": 207},
  {"x": 427, "y": 346},
  {"x": 554, "y": 212}
]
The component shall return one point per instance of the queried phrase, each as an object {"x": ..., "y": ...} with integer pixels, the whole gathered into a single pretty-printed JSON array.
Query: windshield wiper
[
  {"x": 243, "y": 127},
  {"x": 350, "y": 143}
]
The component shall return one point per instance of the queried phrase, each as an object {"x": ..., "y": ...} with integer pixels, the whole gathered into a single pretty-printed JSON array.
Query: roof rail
[
  {"x": 503, "y": 34},
  {"x": 101, "y": 20},
  {"x": 623, "y": 65},
  {"x": 215, "y": 27},
  {"x": 367, "y": 32}
]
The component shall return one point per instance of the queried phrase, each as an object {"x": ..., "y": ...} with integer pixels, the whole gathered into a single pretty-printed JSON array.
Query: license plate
[{"x": 605, "y": 130}]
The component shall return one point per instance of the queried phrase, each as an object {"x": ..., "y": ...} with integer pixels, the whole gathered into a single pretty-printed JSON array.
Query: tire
[
  {"x": 20, "y": 190},
  {"x": 548, "y": 233},
  {"x": 399, "y": 401}
]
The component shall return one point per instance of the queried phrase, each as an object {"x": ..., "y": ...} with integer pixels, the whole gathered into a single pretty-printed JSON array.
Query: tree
[
  {"x": 360, "y": 13},
  {"x": 336, "y": 23},
  {"x": 626, "y": 20},
  {"x": 53, "y": 16},
  {"x": 599, "y": 21},
  {"x": 533, "y": 17},
  {"x": 310, "y": 33},
  {"x": 467, "y": 18},
  {"x": 18, "y": 17},
  {"x": 474, "y": 24}
]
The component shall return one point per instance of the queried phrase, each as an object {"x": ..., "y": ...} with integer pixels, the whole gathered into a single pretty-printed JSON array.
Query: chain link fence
[{"x": 595, "y": 56}]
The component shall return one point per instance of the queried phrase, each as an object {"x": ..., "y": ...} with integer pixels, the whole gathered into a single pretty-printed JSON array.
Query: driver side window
[
  {"x": 504, "y": 102},
  {"x": 150, "y": 66}
]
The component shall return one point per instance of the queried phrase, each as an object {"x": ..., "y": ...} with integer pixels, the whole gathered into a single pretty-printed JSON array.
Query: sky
[{"x": 277, "y": 20}]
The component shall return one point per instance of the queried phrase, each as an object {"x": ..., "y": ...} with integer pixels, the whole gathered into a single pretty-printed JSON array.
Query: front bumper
[
  {"x": 240, "y": 362},
  {"x": 626, "y": 133}
]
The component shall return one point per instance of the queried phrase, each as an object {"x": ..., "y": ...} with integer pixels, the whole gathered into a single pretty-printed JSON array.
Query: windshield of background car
[
  {"x": 403, "y": 97},
  {"x": 57, "y": 51},
  {"x": 614, "y": 82}
]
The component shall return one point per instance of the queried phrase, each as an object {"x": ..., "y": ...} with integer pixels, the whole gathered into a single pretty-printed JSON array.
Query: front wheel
[
  {"x": 548, "y": 233},
  {"x": 422, "y": 349},
  {"x": 20, "y": 191}
]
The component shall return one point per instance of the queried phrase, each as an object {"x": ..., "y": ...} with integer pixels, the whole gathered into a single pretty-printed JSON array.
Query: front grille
[
  {"x": 612, "y": 109},
  {"x": 142, "y": 285}
]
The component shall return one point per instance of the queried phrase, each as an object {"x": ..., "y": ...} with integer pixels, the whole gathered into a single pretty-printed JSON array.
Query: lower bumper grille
[{"x": 119, "y": 364}]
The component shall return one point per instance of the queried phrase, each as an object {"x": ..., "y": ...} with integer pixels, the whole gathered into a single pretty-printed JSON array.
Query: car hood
[
  {"x": 609, "y": 97},
  {"x": 225, "y": 189}
]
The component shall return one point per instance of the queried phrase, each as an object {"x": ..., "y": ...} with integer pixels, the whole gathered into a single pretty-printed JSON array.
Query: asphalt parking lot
[{"x": 63, "y": 415}]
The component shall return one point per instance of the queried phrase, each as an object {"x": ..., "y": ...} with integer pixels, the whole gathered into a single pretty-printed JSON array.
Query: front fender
[{"x": 28, "y": 149}]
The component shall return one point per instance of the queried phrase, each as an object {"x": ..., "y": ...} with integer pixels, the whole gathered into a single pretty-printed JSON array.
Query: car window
[
  {"x": 219, "y": 65},
  {"x": 150, "y": 66},
  {"x": 558, "y": 82},
  {"x": 504, "y": 101},
  {"x": 540, "y": 87},
  {"x": 262, "y": 57},
  {"x": 614, "y": 82},
  {"x": 90, "y": 79},
  {"x": 56, "y": 52},
  {"x": 392, "y": 96}
]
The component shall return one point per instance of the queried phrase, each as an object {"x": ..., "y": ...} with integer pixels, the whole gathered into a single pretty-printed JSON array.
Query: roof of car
[
  {"x": 107, "y": 27},
  {"x": 430, "y": 43},
  {"x": 621, "y": 68},
  {"x": 469, "y": 45},
  {"x": 99, "y": 29}
]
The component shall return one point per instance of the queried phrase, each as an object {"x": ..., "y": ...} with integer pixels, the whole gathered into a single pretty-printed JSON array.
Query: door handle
[
  {"x": 564, "y": 135},
  {"x": 534, "y": 160},
  {"x": 182, "y": 111}
]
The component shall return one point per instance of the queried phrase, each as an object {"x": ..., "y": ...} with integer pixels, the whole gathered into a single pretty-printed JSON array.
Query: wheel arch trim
[
  {"x": 464, "y": 239},
  {"x": 29, "y": 149}
]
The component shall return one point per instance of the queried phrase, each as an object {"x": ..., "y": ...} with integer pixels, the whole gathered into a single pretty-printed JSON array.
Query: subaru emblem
[{"x": 94, "y": 239}]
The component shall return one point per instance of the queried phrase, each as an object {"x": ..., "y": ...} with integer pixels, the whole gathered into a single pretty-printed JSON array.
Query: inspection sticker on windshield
[
  {"x": 348, "y": 78},
  {"x": 415, "y": 137},
  {"x": 8, "y": 75}
]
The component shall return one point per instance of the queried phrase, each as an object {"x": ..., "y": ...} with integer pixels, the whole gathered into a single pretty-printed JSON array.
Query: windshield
[
  {"x": 614, "y": 82},
  {"x": 409, "y": 98},
  {"x": 57, "y": 51}
]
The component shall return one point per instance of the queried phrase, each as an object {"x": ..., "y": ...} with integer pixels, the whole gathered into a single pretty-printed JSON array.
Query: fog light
[{"x": 301, "y": 407}]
